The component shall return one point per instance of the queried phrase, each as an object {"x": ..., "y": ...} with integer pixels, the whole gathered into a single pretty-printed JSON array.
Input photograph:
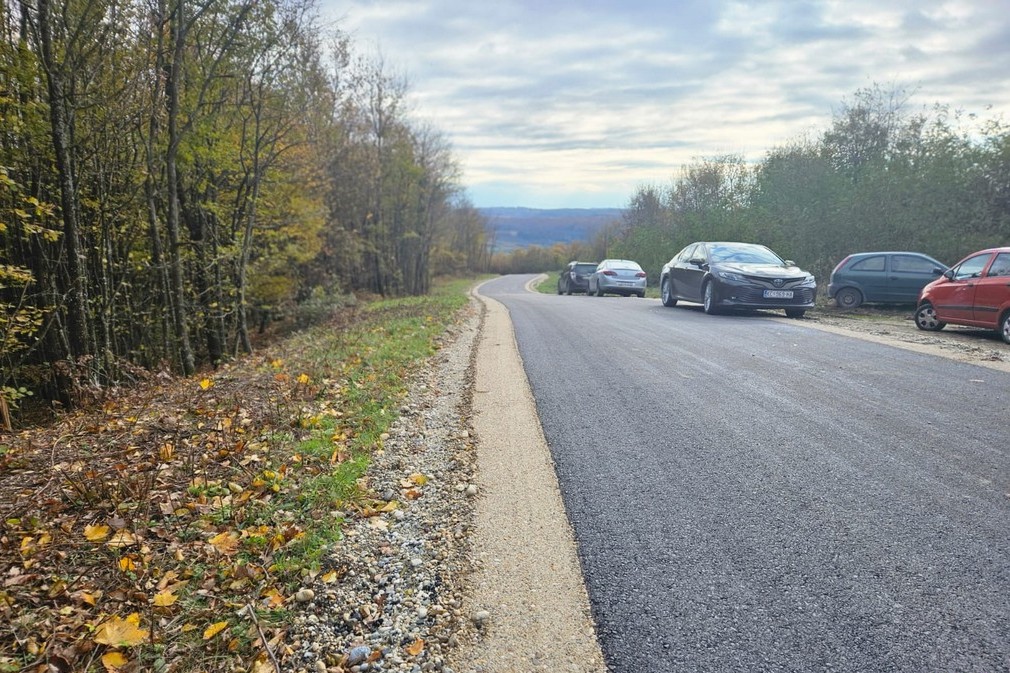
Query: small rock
[
  {"x": 480, "y": 617},
  {"x": 305, "y": 595},
  {"x": 358, "y": 654},
  {"x": 471, "y": 490}
]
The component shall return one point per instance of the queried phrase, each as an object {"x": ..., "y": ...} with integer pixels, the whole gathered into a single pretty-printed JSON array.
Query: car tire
[
  {"x": 667, "y": 294},
  {"x": 599, "y": 291},
  {"x": 560, "y": 291},
  {"x": 1004, "y": 327},
  {"x": 708, "y": 298},
  {"x": 589, "y": 289},
  {"x": 795, "y": 312},
  {"x": 848, "y": 298},
  {"x": 925, "y": 318},
  {"x": 568, "y": 288},
  {"x": 641, "y": 295}
]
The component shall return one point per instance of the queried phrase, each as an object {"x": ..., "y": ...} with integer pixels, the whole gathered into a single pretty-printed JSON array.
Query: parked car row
[
  {"x": 611, "y": 276},
  {"x": 724, "y": 276}
]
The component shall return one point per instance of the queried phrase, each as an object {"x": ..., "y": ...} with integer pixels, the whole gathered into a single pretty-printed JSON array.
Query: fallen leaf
[
  {"x": 226, "y": 543},
  {"x": 214, "y": 629},
  {"x": 330, "y": 577},
  {"x": 121, "y": 632},
  {"x": 206, "y": 383},
  {"x": 126, "y": 564},
  {"x": 415, "y": 648},
  {"x": 113, "y": 661},
  {"x": 123, "y": 538},
  {"x": 418, "y": 479},
  {"x": 96, "y": 533},
  {"x": 163, "y": 599}
]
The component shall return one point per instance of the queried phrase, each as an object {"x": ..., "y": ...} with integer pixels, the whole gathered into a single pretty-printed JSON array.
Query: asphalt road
[{"x": 750, "y": 494}]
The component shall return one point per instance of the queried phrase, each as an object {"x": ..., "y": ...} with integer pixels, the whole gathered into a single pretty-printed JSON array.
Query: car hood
[{"x": 764, "y": 270}]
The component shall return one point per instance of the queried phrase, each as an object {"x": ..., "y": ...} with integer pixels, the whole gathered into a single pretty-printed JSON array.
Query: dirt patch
[{"x": 895, "y": 326}]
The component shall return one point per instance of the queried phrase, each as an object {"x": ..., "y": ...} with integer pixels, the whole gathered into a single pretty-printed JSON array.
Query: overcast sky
[{"x": 561, "y": 103}]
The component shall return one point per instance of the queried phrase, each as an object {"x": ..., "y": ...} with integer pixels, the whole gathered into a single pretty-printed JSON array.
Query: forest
[
  {"x": 883, "y": 176},
  {"x": 177, "y": 175}
]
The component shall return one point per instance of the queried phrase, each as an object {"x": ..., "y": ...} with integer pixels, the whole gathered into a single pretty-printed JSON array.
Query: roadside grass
[{"x": 174, "y": 528}]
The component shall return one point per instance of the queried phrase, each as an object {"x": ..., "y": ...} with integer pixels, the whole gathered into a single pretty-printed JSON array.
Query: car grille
[{"x": 753, "y": 295}]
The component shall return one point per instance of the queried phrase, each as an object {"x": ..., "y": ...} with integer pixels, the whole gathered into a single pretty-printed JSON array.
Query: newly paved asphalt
[{"x": 750, "y": 494}]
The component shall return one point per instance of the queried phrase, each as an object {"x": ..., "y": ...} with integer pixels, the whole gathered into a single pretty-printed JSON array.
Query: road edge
[{"x": 527, "y": 588}]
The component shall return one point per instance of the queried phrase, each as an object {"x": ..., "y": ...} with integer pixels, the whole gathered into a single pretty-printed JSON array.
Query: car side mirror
[
  {"x": 790, "y": 262},
  {"x": 948, "y": 274},
  {"x": 937, "y": 271},
  {"x": 697, "y": 261}
]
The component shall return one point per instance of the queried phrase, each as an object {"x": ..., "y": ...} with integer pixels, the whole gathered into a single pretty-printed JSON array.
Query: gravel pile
[{"x": 394, "y": 600}]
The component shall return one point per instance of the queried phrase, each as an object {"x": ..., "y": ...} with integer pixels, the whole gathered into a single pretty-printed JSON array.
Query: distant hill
[{"x": 523, "y": 227}]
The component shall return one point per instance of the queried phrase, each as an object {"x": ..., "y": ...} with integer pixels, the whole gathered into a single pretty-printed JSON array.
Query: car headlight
[
  {"x": 809, "y": 280},
  {"x": 729, "y": 275}
]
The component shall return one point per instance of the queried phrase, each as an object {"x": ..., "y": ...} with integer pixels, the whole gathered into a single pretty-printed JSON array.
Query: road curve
[{"x": 749, "y": 494}]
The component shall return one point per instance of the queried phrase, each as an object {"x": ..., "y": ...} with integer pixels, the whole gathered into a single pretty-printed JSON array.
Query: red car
[{"x": 974, "y": 292}]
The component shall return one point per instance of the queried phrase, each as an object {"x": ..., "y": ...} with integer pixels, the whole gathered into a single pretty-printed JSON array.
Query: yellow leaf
[
  {"x": 126, "y": 564},
  {"x": 303, "y": 378},
  {"x": 277, "y": 364},
  {"x": 389, "y": 506},
  {"x": 96, "y": 533},
  {"x": 214, "y": 629},
  {"x": 123, "y": 538},
  {"x": 206, "y": 383},
  {"x": 262, "y": 665},
  {"x": 163, "y": 599},
  {"x": 187, "y": 627},
  {"x": 418, "y": 479},
  {"x": 226, "y": 543},
  {"x": 415, "y": 648},
  {"x": 330, "y": 577},
  {"x": 113, "y": 661},
  {"x": 121, "y": 632}
]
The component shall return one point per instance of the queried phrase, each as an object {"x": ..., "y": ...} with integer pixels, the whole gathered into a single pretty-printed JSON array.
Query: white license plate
[
  {"x": 778, "y": 294},
  {"x": 624, "y": 282}
]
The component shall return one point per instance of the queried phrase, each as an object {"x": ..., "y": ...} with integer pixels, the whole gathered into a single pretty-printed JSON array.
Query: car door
[
  {"x": 907, "y": 274},
  {"x": 954, "y": 300},
  {"x": 690, "y": 273},
  {"x": 870, "y": 276},
  {"x": 992, "y": 291},
  {"x": 679, "y": 275}
]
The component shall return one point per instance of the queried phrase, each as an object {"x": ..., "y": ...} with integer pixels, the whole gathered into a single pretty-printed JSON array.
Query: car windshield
[
  {"x": 626, "y": 266},
  {"x": 584, "y": 268},
  {"x": 745, "y": 254}
]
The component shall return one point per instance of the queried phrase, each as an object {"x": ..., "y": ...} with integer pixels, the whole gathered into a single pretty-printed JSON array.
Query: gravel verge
[{"x": 474, "y": 570}]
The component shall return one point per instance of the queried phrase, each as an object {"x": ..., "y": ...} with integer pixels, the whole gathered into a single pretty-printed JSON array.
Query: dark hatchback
[
  {"x": 883, "y": 277},
  {"x": 575, "y": 277},
  {"x": 728, "y": 275}
]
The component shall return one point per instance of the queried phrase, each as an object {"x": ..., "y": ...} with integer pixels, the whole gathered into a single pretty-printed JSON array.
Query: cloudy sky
[{"x": 567, "y": 103}]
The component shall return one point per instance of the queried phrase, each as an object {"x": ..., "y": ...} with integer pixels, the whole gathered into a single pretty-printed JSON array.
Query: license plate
[
  {"x": 778, "y": 294},
  {"x": 627, "y": 282}
]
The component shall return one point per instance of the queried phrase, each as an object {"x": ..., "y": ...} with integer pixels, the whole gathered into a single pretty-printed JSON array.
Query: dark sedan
[{"x": 723, "y": 276}]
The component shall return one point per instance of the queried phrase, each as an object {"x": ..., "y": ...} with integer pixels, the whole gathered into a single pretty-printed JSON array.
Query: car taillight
[
  {"x": 608, "y": 272},
  {"x": 840, "y": 264},
  {"x": 640, "y": 274}
]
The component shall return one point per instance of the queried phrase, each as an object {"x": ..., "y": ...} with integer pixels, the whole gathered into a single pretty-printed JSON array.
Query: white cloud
[{"x": 576, "y": 103}]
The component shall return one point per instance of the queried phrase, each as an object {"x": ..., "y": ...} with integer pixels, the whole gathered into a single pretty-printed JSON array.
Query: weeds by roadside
[{"x": 174, "y": 528}]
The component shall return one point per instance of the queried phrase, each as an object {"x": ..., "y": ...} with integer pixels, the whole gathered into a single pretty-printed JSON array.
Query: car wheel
[
  {"x": 641, "y": 295},
  {"x": 667, "y": 293},
  {"x": 925, "y": 318},
  {"x": 568, "y": 287},
  {"x": 848, "y": 298},
  {"x": 599, "y": 291},
  {"x": 560, "y": 291},
  {"x": 708, "y": 293},
  {"x": 795, "y": 312},
  {"x": 1004, "y": 327},
  {"x": 589, "y": 289}
]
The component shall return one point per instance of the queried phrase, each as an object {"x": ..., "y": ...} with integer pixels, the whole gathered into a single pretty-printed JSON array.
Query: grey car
[
  {"x": 617, "y": 276},
  {"x": 887, "y": 277}
]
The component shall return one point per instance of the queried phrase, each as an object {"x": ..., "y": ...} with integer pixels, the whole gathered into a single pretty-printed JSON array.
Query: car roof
[{"x": 890, "y": 252}]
